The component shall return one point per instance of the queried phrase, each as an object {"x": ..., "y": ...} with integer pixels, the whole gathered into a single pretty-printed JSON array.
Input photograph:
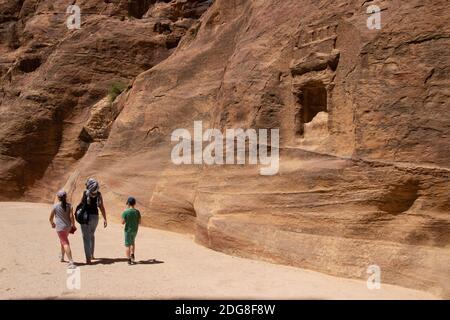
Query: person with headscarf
[
  {"x": 92, "y": 199},
  {"x": 62, "y": 219}
]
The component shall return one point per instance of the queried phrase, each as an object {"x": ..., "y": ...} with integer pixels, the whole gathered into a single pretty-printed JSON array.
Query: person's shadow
[
  {"x": 108, "y": 261},
  {"x": 149, "y": 261}
]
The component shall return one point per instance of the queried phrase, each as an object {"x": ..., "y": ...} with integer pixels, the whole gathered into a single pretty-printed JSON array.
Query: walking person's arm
[
  {"x": 72, "y": 218},
  {"x": 124, "y": 217},
  {"x": 102, "y": 209},
  {"x": 52, "y": 215}
]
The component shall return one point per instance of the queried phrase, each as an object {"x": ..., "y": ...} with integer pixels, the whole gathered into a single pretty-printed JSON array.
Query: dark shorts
[{"x": 130, "y": 238}]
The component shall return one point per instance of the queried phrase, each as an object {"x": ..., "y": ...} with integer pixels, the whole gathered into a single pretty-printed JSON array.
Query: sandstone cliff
[
  {"x": 51, "y": 77},
  {"x": 363, "y": 118}
]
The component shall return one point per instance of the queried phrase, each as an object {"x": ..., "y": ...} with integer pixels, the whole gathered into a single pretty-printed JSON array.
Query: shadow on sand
[
  {"x": 107, "y": 261},
  {"x": 150, "y": 261}
]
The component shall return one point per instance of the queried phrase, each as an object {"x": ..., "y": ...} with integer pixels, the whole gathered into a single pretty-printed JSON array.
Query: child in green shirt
[{"x": 131, "y": 218}]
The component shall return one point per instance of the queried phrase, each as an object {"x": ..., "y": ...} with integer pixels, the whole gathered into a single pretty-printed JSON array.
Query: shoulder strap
[{"x": 84, "y": 199}]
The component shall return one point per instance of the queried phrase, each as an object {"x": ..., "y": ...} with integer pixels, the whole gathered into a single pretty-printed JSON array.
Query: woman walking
[
  {"x": 61, "y": 219},
  {"x": 92, "y": 200}
]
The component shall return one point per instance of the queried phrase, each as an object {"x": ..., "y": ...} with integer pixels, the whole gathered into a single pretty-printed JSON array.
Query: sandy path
[{"x": 29, "y": 268}]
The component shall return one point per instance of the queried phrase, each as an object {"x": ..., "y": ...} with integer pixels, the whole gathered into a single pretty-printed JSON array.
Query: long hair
[
  {"x": 63, "y": 199},
  {"x": 63, "y": 202},
  {"x": 62, "y": 196}
]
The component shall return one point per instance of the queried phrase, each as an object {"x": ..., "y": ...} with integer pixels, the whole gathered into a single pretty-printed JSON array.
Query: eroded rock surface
[
  {"x": 51, "y": 77},
  {"x": 363, "y": 118}
]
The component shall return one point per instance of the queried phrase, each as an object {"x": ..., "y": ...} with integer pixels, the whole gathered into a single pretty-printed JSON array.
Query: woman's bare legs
[
  {"x": 62, "y": 253},
  {"x": 68, "y": 252}
]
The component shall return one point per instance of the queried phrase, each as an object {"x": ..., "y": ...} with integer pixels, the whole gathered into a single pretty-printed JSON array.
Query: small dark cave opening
[
  {"x": 137, "y": 8},
  {"x": 400, "y": 198},
  {"x": 28, "y": 65},
  {"x": 312, "y": 99}
]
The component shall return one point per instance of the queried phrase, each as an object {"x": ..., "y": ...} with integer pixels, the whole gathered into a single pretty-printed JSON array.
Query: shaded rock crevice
[{"x": 400, "y": 198}]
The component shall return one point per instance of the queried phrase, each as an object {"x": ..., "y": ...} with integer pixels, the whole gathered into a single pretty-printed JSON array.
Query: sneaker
[{"x": 133, "y": 260}]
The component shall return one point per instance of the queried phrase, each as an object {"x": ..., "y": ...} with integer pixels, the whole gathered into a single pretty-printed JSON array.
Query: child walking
[
  {"x": 62, "y": 219},
  {"x": 131, "y": 218}
]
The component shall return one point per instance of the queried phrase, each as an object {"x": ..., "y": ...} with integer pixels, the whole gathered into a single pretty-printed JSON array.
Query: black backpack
[{"x": 81, "y": 214}]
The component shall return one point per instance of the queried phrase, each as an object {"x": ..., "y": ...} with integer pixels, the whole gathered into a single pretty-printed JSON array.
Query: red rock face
[
  {"x": 364, "y": 168},
  {"x": 52, "y": 76}
]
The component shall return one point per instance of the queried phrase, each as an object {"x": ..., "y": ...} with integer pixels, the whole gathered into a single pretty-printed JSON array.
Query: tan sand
[{"x": 30, "y": 268}]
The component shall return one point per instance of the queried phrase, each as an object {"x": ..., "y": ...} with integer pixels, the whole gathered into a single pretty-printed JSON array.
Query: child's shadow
[{"x": 149, "y": 261}]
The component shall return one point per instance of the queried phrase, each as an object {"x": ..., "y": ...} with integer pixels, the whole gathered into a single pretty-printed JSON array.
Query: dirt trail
[{"x": 29, "y": 268}]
